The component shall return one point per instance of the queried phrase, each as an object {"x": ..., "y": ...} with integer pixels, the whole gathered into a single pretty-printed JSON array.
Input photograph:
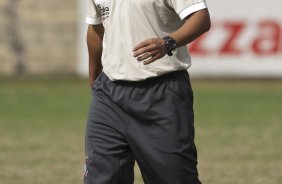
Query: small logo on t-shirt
[{"x": 105, "y": 11}]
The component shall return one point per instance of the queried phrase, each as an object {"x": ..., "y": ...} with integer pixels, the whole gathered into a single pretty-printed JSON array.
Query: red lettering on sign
[
  {"x": 234, "y": 29},
  {"x": 268, "y": 39},
  {"x": 261, "y": 38},
  {"x": 197, "y": 46}
]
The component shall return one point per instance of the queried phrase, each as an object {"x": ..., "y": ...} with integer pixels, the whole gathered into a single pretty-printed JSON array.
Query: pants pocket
[
  {"x": 97, "y": 81},
  {"x": 181, "y": 87}
]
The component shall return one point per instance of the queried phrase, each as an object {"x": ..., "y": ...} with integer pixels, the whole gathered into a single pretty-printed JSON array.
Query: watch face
[{"x": 170, "y": 45}]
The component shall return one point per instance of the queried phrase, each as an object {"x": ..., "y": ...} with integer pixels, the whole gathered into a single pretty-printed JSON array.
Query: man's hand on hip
[{"x": 150, "y": 50}]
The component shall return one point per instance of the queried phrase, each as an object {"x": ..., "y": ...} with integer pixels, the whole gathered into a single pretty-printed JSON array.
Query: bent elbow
[
  {"x": 207, "y": 23},
  {"x": 207, "y": 27}
]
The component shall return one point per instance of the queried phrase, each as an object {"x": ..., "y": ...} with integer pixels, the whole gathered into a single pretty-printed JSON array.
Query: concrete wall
[{"x": 38, "y": 37}]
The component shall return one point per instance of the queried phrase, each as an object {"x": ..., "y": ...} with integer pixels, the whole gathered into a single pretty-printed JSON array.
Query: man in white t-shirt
[{"x": 142, "y": 106}]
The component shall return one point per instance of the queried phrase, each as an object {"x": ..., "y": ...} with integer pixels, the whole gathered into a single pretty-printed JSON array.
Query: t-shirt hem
[
  {"x": 191, "y": 9},
  {"x": 93, "y": 21}
]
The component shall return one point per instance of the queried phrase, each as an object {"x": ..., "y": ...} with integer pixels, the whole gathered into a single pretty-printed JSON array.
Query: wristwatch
[{"x": 170, "y": 44}]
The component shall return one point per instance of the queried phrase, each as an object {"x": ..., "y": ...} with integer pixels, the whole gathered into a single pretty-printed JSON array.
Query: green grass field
[{"x": 238, "y": 126}]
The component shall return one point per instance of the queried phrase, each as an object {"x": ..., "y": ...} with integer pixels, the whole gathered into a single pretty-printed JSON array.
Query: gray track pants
[{"x": 151, "y": 121}]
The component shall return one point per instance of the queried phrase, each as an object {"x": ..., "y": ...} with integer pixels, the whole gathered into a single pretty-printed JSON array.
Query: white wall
[
  {"x": 82, "y": 64},
  {"x": 245, "y": 40}
]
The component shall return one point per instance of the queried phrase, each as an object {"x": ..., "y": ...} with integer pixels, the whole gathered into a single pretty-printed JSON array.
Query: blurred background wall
[
  {"x": 38, "y": 37},
  {"x": 48, "y": 37}
]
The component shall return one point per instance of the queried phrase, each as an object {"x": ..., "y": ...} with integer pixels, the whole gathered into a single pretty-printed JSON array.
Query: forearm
[
  {"x": 152, "y": 49},
  {"x": 195, "y": 25},
  {"x": 94, "y": 43}
]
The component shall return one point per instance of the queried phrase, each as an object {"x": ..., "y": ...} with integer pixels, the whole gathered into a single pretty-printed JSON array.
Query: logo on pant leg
[{"x": 85, "y": 167}]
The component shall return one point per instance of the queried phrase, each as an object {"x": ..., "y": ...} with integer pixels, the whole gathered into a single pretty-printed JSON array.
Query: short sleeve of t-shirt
[
  {"x": 186, "y": 7},
  {"x": 93, "y": 15}
]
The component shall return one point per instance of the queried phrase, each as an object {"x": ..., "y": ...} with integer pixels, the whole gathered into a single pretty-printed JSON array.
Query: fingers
[
  {"x": 144, "y": 48},
  {"x": 147, "y": 55},
  {"x": 142, "y": 44},
  {"x": 152, "y": 59},
  {"x": 149, "y": 50}
]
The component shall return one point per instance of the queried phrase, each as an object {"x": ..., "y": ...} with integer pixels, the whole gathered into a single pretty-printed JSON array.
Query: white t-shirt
[{"x": 129, "y": 22}]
